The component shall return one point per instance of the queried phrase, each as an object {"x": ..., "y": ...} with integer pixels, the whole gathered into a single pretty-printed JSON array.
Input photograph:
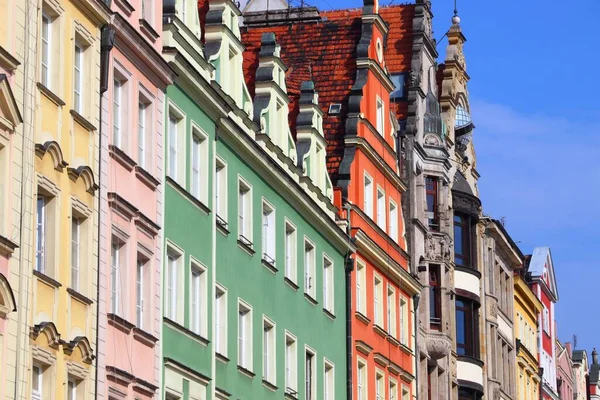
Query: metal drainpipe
[
  {"x": 416, "y": 299},
  {"x": 106, "y": 45},
  {"x": 348, "y": 267}
]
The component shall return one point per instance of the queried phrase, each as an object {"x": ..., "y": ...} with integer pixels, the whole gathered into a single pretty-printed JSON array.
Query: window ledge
[
  {"x": 393, "y": 340},
  {"x": 291, "y": 284},
  {"x": 310, "y": 299},
  {"x": 406, "y": 349},
  {"x": 46, "y": 279},
  {"x": 83, "y": 121},
  {"x": 146, "y": 177},
  {"x": 120, "y": 323},
  {"x": 269, "y": 385},
  {"x": 182, "y": 191},
  {"x": 78, "y": 296},
  {"x": 329, "y": 313},
  {"x": 221, "y": 357},
  {"x": 125, "y": 6},
  {"x": 269, "y": 266},
  {"x": 148, "y": 30},
  {"x": 380, "y": 331},
  {"x": 191, "y": 334},
  {"x": 145, "y": 337},
  {"x": 246, "y": 247},
  {"x": 290, "y": 396},
  {"x": 246, "y": 372},
  {"x": 361, "y": 317},
  {"x": 50, "y": 95},
  {"x": 121, "y": 157},
  {"x": 222, "y": 226}
]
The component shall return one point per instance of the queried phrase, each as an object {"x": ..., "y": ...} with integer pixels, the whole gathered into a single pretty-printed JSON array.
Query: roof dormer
[
  {"x": 312, "y": 146},
  {"x": 270, "y": 99},
  {"x": 224, "y": 50}
]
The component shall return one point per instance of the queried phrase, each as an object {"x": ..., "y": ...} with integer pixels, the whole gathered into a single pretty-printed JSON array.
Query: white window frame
[
  {"x": 310, "y": 278},
  {"x": 269, "y": 236},
  {"x": 328, "y": 284},
  {"x": 41, "y": 226},
  {"x": 391, "y": 311},
  {"x": 142, "y": 139},
  {"x": 173, "y": 280},
  {"x": 244, "y": 212},
  {"x": 393, "y": 388},
  {"x": 176, "y": 137},
  {"x": 198, "y": 298},
  {"x": 119, "y": 114},
  {"x": 362, "y": 379},
  {"x": 291, "y": 364},
  {"x": 221, "y": 320},
  {"x": 269, "y": 336},
  {"x": 313, "y": 374},
  {"x": 118, "y": 248},
  {"x": 140, "y": 290},
  {"x": 393, "y": 222},
  {"x": 199, "y": 164},
  {"x": 380, "y": 117},
  {"x": 404, "y": 316},
  {"x": 379, "y": 384},
  {"x": 245, "y": 330},
  {"x": 328, "y": 380},
  {"x": 378, "y": 299},
  {"x": 368, "y": 195},
  {"x": 405, "y": 393},
  {"x": 46, "y": 41},
  {"x": 291, "y": 251},
  {"x": 76, "y": 223},
  {"x": 39, "y": 393},
  {"x": 78, "y": 71},
  {"x": 361, "y": 287},
  {"x": 381, "y": 209},
  {"x": 221, "y": 191}
]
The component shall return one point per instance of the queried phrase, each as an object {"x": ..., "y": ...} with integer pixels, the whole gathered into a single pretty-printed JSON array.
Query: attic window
[{"x": 335, "y": 108}]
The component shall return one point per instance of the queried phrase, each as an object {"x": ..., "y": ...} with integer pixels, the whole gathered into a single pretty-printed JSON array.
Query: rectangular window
[
  {"x": 244, "y": 336},
  {"x": 245, "y": 213},
  {"x": 393, "y": 230},
  {"x": 71, "y": 389},
  {"x": 467, "y": 328},
  {"x": 381, "y": 220},
  {"x": 431, "y": 191},
  {"x": 391, "y": 310},
  {"x": 78, "y": 78},
  {"x": 398, "y": 93},
  {"x": 142, "y": 134},
  {"x": 380, "y": 116},
  {"x": 393, "y": 389},
  {"x": 117, "y": 112},
  {"x": 329, "y": 382},
  {"x": 41, "y": 223},
  {"x": 46, "y": 49},
  {"x": 435, "y": 298},
  {"x": 198, "y": 300},
  {"x": 462, "y": 240},
  {"x": 361, "y": 288},
  {"x": 291, "y": 365},
  {"x": 268, "y": 233},
  {"x": 405, "y": 394},
  {"x": 379, "y": 385},
  {"x": 378, "y": 301},
  {"x": 221, "y": 193},
  {"x": 199, "y": 166},
  {"x": 290, "y": 252},
  {"x": 404, "y": 333},
  {"x": 309, "y": 269},
  {"x": 368, "y": 195},
  {"x": 361, "y": 380},
  {"x": 75, "y": 252},
  {"x": 173, "y": 150},
  {"x": 172, "y": 289},
  {"x": 269, "y": 369},
  {"x": 37, "y": 383},
  {"x": 328, "y": 291},
  {"x": 546, "y": 322},
  {"x": 221, "y": 321},
  {"x": 139, "y": 290},
  {"x": 115, "y": 277},
  {"x": 310, "y": 386}
]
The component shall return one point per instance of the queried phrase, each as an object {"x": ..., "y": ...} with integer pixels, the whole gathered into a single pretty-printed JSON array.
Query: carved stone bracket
[{"x": 438, "y": 345}]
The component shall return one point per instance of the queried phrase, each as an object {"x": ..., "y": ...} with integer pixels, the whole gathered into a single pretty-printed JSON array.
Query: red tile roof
[{"x": 325, "y": 52}]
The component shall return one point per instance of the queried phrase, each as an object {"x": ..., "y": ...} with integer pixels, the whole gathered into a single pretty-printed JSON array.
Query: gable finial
[{"x": 455, "y": 18}]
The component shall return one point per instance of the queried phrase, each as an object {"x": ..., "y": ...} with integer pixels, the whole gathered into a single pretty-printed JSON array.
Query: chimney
[{"x": 594, "y": 356}]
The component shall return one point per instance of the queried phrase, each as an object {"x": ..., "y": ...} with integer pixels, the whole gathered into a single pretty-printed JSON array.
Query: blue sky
[{"x": 532, "y": 90}]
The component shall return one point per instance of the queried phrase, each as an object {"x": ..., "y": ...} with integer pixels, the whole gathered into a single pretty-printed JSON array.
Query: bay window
[
  {"x": 431, "y": 193},
  {"x": 467, "y": 327},
  {"x": 463, "y": 240},
  {"x": 435, "y": 298}
]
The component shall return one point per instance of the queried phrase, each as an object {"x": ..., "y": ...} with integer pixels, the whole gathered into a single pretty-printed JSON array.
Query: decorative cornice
[
  {"x": 121, "y": 157},
  {"x": 87, "y": 175},
  {"x": 376, "y": 69},
  {"x": 7, "y": 246},
  {"x": 363, "y": 347},
  {"x": 55, "y": 151},
  {"x": 7, "y": 60}
]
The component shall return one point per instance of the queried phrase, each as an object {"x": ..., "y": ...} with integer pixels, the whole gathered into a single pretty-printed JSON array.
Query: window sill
[
  {"x": 380, "y": 331},
  {"x": 291, "y": 284},
  {"x": 121, "y": 157},
  {"x": 393, "y": 340},
  {"x": 269, "y": 385},
  {"x": 148, "y": 31},
  {"x": 120, "y": 323},
  {"x": 183, "y": 192},
  {"x": 125, "y": 6},
  {"x": 222, "y": 226},
  {"x": 247, "y": 247},
  {"x": 362, "y": 318},
  {"x": 78, "y": 296},
  {"x": 50, "y": 95},
  {"x": 83, "y": 121},
  {"x": 406, "y": 349},
  {"x": 246, "y": 372},
  {"x": 146, "y": 177},
  {"x": 329, "y": 313},
  {"x": 46, "y": 279},
  {"x": 311, "y": 299},
  {"x": 144, "y": 337},
  {"x": 290, "y": 396},
  {"x": 182, "y": 329},
  {"x": 271, "y": 267},
  {"x": 221, "y": 357}
]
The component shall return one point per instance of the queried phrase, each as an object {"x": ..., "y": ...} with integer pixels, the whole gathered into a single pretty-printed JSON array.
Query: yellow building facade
[
  {"x": 527, "y": 309},
  {"x": 61, "y": 312}
]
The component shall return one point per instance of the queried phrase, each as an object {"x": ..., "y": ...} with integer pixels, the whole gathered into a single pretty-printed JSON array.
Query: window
[
  {"x": 546, "y": 320},
  {"x": 75, "y": 251},
  {"x": 172, "y": 310},
  {"x": 378, "y": 301},
  {"x": 198, "y": 300},
  {"x": 361, "y": 294},
  {"x": 435, "y": 298},
  {"x": 244, "y": 336},
  {"x": 391, "y": 310},
  {"x": 199, "y": 180},
  {"x": 393, "y": 229},
  {"x": 328, "y": 382},
  {"x": 380, "y": 116},
  {"x": 118, "y": 114},
  {"x": 290, "y": 251},
  {"x": 431, "y": 192},
  {"x": 245, "y": 213},
  {"x": 368, "y": 193},
  {"x": 221, "y": 192},
  {"x": 462, "y": 240},
  {"x": 143, "y": 132},
  {"x": 140, "y": 288},
  {"x": 361, "y": 380},
  {"x": 78, "y": 78},
  {"x": 405, "y": 394},
  {"x": 116, "y": 302},
  {"x": 72, "y": 389},
  {"x": 309, "y": 374},
  {"x": 404, "y": 332},
  {"x": 467, "y": 328},
  {"x": 328, "y": 291},
  {"x": 221, "y": 321},
  {"x": 379, "y": 385},
  {"x": 269, "y": 368},
  {"x": 291, "y": 365},
  {"x": 268, "y": 233},
  {"x": 37, "y": 383},
  {"x": 309, "y": 269},
  {"x": 41, "y": 223},
  {"x": 468, "y": 394},
  {"x": 398, "y": 92},
  {"x": 46, "y": 49},
  {"x": 172, "y": 166},
  {"x": 393, "y": 390},
  {"x": 381, "y": 222}
]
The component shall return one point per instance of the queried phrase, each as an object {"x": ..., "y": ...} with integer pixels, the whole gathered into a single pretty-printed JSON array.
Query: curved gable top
[
  {"x": 55, "y": 151},
  {"x": 7, "y": 297},
  {"x": 49, "y": 330},
  {"x": 84, "y": 172},
  {"x": 83, "y": 344},
  {"x": 541, "y": 268},
  {"x": 8, "y": 104}
]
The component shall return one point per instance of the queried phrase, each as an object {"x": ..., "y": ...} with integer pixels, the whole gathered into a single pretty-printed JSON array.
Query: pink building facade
[
  {"x": 132, "y": 198},
  {"x": 565, "y": 375}
]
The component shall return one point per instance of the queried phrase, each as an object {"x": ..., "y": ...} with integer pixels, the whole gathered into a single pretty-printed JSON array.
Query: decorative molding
[
  {"x": 53, "y": 148},
  {"x": 121, "y": 157},
  {"x": 186, "y": 332},
  {"x": 48, "y": 329},
  {"x": 439, "y": 247},
  {"x": 146, "y": 177},
  {"x": 50, "y": 95},
  {"x": 8, "y": 296},
  {"x": 363, "y": 347},
  {"x": 84, "y": 172},
  {"x": 46, "y": 279},
  {"x": 7, "y": 60},
  {"x": 381, "y": 359},
  {"x": 7, "y": 246},
  {"x": 83, "y": 121},
  {"x": 147, "y": 29},
  {"x": 439, "y": 345},
  {"x": 79, "y": 297},
  {"x": 144, "y": 337},
  {"x": 120, "y": 323},
  {"x": 84, "y": 346}
]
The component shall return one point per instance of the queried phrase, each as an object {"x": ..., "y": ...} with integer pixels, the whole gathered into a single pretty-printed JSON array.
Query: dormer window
[
  {"x": 335, "y": 108},
  {"x": 399, "y": 92}
]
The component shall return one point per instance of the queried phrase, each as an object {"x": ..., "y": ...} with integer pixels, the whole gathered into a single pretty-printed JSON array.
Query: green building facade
[{"x": 254, "y": 276}]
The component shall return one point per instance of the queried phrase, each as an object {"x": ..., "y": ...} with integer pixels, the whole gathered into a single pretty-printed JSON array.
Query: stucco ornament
[
  {"x": 493, "y": 305},
  {"x": 438, "y": 247},
  {"x": 438, "y": 345},
  {"x": 432, "y": 140}
]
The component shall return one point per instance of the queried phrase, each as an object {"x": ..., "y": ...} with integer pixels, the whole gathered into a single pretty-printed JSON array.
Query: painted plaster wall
[{"x": 144, "y": 16}]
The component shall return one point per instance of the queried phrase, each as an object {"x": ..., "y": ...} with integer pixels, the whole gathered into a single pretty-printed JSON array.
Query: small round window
[{"x": 379, "y": 50}]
